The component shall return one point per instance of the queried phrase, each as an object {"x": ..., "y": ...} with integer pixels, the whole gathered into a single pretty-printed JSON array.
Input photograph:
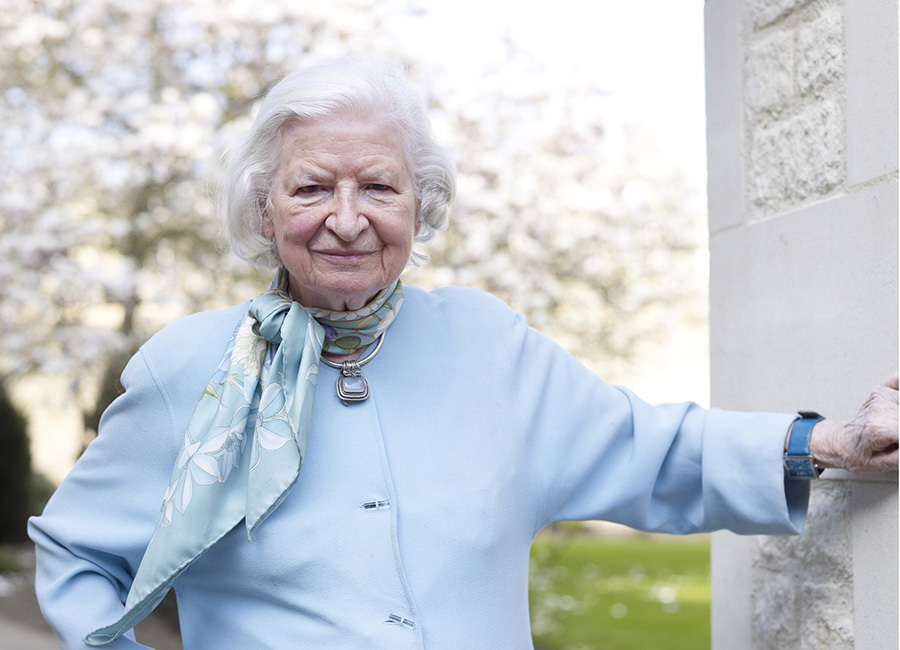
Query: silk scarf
[{"x": 246, "y": 440}]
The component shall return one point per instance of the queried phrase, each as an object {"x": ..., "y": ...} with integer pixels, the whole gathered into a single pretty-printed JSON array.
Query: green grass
[{"x": 620, "y": 593}]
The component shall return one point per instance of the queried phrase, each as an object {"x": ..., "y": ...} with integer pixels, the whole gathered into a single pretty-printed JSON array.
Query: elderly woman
[{"x": 345, "y": 462}]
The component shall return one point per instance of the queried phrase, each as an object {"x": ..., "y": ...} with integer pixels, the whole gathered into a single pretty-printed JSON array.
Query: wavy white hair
[{"x": 348, "y": 86}]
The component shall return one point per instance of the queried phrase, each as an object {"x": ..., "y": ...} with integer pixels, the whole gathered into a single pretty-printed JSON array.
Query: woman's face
[{"x": 343, "y": 214}]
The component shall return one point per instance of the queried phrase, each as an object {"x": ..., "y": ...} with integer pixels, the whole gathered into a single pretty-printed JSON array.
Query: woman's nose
[{"x": 346, "y": 219}]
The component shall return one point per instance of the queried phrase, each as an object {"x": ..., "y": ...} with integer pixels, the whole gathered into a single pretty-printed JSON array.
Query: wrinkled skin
[{"x": 867, "y": 444}]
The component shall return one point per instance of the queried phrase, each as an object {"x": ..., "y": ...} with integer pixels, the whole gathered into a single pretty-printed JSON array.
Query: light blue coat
[{"x": 414, "y": 513}]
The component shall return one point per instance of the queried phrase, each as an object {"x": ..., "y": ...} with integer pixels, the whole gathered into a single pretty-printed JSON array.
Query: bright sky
[{"x": 648, "y": 54}]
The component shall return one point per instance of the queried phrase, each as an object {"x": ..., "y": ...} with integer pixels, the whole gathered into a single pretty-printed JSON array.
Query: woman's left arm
[{"x": 867, "y": 444}]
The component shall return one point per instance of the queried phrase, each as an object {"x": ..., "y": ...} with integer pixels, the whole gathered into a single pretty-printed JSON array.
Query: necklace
[{"x": 351, "y": 385}]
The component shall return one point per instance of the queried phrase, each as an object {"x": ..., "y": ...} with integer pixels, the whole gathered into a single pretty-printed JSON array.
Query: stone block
[
  {"x": 871, "y": 86},
  {"x": 802, "y": 593},
  {"x": 731, "y": 581},
  {"x": 803, "y": 314},
  {"x": 724, "y": 111},
  {"x": 803, "y": 307},
  {"x": 875, "y": 565},
  {"x": 804, "y": 300},
  {"x": 769, "y": 74},
  {"x": 796, "y": 159},
  {"x": 820, "y": 53},
  {"x": 765, "y": 12}
]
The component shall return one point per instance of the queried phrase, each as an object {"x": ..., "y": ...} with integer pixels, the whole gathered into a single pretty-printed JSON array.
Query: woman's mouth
[{"x": 344, "y": 255}]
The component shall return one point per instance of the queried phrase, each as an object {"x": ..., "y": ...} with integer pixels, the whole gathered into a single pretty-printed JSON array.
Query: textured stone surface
[
  {"x": 794, "y": 108},
  {"x": 798, "y": 158},
  {"x": 820, "y": 52},
  {"x": 803, "y": 314},
  {"x": 769, "y": 71},
  {"x": 803, "y": 586},
  {"x": 764, "y": 12},
  {"x": 804, "y": 298}
]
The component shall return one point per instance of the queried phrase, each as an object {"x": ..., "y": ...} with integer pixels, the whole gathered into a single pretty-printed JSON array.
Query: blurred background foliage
[{"x": 113, "y": 115}]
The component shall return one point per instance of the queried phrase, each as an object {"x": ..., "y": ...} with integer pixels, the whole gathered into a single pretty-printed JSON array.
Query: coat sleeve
[
  {"x": 599, "y": 452},
  {"x": 582, "y": 448},
  {"x": 91, "y": 537}
]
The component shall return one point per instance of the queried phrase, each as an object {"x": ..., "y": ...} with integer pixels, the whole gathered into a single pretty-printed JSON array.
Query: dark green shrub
[{"x": 15, "y": 472}]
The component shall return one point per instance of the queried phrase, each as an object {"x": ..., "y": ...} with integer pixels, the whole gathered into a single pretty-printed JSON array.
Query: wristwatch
[{"x": 798, "y": 462}]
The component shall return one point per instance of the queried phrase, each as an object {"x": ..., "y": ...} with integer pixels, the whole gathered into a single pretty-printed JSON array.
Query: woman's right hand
[{"x": 867, "y": 444}]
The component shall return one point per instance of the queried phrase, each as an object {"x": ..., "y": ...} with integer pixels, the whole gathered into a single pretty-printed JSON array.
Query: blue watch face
[{"x": 800, "y": 467}]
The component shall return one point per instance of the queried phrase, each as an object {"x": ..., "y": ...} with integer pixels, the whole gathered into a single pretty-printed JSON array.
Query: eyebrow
[
  {"x": 379, "y": 174},
  {"x": 307, "y": 171},
  {"x": 312, "y": 172}
]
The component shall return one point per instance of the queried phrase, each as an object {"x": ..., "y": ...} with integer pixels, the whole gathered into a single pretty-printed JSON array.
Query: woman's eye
[
  {"x": 309, "y": 189},
  {"x": 378, "y": 187}
]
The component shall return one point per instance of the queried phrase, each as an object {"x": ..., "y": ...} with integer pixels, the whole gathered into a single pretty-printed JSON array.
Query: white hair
[{"x": 348, "y": 86}]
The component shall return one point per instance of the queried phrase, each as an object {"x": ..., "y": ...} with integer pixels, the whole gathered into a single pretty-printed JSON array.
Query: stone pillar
[{"x": 803, "y": 211}]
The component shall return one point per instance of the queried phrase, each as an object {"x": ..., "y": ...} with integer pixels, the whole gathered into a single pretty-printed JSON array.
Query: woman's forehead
[{"x": 341, "y": 145}]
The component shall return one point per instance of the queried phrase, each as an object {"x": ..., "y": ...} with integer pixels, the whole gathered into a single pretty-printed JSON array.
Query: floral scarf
[{"x": 245, "y": 442}]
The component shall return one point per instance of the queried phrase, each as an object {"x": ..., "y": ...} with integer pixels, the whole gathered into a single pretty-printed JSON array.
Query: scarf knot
[{"x": 269, "y": 310}]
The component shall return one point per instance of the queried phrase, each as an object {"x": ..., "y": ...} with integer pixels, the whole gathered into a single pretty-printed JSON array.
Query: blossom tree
[
  {"x": 592, "y": 237},
  {"x": 113, "y": 114}
]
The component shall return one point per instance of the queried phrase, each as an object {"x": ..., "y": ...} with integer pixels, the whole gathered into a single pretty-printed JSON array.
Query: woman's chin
[{"x": 339, "y": 299}]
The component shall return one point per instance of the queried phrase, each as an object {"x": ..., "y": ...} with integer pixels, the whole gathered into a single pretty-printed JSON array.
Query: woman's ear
[{"x": 265, "y": 213}]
